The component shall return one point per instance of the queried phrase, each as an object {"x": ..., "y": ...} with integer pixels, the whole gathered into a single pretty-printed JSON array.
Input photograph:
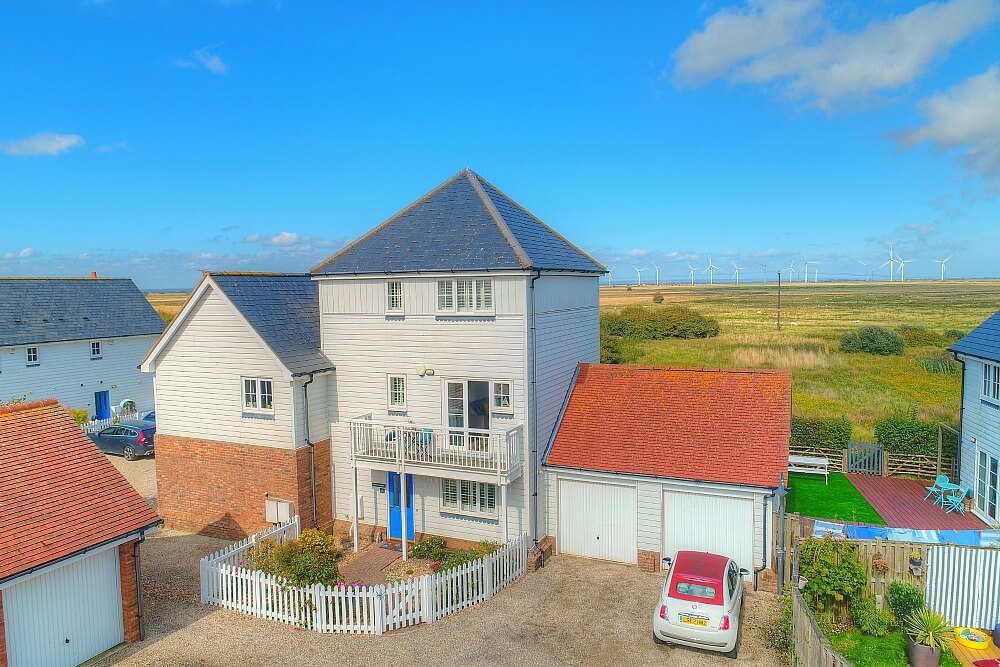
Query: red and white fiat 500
[{"x": 700, "y": 602}]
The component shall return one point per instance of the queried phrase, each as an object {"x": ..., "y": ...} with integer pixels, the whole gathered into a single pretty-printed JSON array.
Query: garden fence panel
[
  {"x": 95, "y": 425},
  {"x": 962, "y": 585},
  {"x": 812, "y": 649}
]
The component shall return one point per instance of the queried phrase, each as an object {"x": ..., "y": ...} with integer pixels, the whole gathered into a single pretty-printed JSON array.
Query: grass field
[
  {"x": 167, "y": 304},
  {"x": 839, "y": 500},
  {"x": 827, "y": 382}
]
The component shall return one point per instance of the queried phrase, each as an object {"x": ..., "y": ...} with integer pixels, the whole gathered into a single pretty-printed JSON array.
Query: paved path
[
  {"x": 368, "y": 567},
  {"x": 901, "y": 503}
]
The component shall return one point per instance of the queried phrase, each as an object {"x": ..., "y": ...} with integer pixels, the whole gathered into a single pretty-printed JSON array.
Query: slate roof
[
  {"x": 49, "y": 310},
  {"x": 59, "y": 494},
  {"x": 284, "y": 310},
  {"x": 726, "y": 426},
  {"x": 465, "y": 224},
  {"x": 983, "y": 341}
]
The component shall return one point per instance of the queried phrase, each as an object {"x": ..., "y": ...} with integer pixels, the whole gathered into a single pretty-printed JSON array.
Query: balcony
[{"x": 437, "y": 451}]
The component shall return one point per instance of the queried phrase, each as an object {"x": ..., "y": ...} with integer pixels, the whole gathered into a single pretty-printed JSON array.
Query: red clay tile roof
[
  {"x": 58, "y": 493},
  {"x": 716, "y": 425}
]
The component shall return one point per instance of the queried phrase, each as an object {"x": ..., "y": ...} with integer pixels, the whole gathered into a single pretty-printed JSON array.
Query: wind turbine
[
  {"x": 943, "y": 263},
  {"x": 764, "y": 266},
  {"x": 657, "y": 273},
  {"x": 891, "y": 262},
  {"x": 805, "y": 271},
  {"x": 736, "y": 273},
  {"x": 816, "y": 272},
  {"x": 868, "y": 273},
  {"x": 638, "y": 273},
  {"x": 902, "y": 267},
  {"x": 791, "y": 271},
  {"x": 692, "y": 273},
  {"x": 711, "y": 268},
  {"x": 610, "y": 282}
]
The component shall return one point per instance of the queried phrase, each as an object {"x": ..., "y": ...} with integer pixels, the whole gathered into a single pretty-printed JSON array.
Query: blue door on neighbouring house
[
  {"x": 395, "y": 518},
  {"x": 102, "y": 405}
]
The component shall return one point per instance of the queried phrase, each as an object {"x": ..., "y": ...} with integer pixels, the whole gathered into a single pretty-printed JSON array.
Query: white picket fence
[
  {"x": 962, "y": 585},
  {"x": 354, "y": 609},
  {"x": 96, "y": 425}
]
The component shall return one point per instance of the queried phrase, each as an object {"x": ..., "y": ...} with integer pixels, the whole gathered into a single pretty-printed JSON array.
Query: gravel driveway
[
  {"x": 573, "y": 612},
  {"x": 141, "y": 473}
]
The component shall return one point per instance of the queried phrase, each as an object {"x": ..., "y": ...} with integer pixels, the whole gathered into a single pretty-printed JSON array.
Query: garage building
[
  {"x": 70, "y": 529},
  {"x": 647, "y": 461}
]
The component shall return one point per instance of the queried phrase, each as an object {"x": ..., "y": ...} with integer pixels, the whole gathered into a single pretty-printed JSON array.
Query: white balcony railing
[{"x": 494, "y": 451}]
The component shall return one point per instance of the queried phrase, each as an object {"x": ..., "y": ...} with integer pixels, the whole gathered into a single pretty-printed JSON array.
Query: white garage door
[
  {"x": 66, "y": 615},
  {"x": 703, "y": 522},
  {"x": 597, "y": 520}
]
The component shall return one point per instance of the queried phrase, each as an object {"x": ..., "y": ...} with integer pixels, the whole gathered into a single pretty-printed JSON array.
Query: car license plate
[{"x": 694, "y": 620}]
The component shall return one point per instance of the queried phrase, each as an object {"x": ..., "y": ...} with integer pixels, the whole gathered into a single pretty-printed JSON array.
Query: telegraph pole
[{"x": 779, "y": 300}]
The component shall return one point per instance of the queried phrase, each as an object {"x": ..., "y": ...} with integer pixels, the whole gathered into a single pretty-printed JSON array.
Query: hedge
[
  {"x": 658, "y": 322},
  {"x": 873, "y": 340},
  {"x": 906, "y": 434},
  {"x": 826, "y": 433}
]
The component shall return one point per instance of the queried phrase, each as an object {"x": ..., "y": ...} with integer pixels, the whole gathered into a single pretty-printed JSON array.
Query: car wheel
[
  {"x": 657, "y": 640},
  {"x": 128, "y": 453}
]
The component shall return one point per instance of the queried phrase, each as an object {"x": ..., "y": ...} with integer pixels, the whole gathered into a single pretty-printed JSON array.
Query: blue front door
[
  {"x": 395, "y": 516},
  {"x": 102, "y": 405}
]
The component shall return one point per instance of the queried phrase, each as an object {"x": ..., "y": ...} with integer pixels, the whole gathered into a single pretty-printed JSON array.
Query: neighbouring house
[
  {"x": 79, "y": 340},
  {"x": 979, "y": 449},
  {"x": 647, "y": 461},
  {"x": 70, "y": 529},
  {"x": 436, "y": 351}
]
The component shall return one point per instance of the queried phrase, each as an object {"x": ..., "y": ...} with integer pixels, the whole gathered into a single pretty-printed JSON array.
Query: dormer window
[
  {"x": 465, "y": 296},
  {"x": 394, "y": 296}
]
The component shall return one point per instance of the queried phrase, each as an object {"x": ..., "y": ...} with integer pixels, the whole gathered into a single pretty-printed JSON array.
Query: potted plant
[
  {"x": 802, "y": 582},
  {"x": 927, "y": 632},
  {"x": 916, "y": 563}
]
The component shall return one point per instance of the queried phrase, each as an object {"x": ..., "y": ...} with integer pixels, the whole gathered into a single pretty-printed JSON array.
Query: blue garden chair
[
  {"x": 938, "y": 489},
  {"x": 954, "y": 501}
]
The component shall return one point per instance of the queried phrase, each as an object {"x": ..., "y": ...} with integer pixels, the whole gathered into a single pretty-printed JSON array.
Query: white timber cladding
[
  {"x": 368, "y": 344},
  {"x": 199, "y": 379},
  {"x": 719, "y": 516},
  {"x": 980, "y": 431},
  {"x": 322, "y": 392},
  {"x": 67, "y": 614},
  {"x": 68, "y": 371}
]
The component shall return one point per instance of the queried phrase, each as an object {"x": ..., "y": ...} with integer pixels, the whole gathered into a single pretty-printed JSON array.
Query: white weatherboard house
[
  {"x": 979, "y": 450},
  {"x": 445, "y": 342},
  {"x": 77, "y": 340}
]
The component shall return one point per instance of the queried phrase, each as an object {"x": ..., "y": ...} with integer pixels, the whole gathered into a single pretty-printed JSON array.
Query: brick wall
[
  {"x": 130, "y": 595},
  {"x": 648, "y": 561},
  {"x": 219, "y": 488}
]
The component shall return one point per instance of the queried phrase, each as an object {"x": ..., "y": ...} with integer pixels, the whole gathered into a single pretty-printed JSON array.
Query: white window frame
[
  {"x": 31, "y": 356},
  {"x": 478, "y": 292},
  {"x": 253, "y": 388},
  {"x": 494, "y": 395},
  {"x": 991, "y": 382},
  {"x": 985, "y": 472},
  {"x": 394, "y": 300},
  {"x": 95, "y": 349},
  {"x": 390, "y": 403},
  {"x": 461, "y": 489}
]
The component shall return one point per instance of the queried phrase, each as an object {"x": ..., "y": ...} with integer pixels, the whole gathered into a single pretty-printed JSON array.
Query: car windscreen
[{"x": 696, "y": 590}]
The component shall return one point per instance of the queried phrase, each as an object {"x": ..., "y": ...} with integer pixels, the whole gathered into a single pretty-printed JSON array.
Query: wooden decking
[
  {"x": 901, "y": 503},
  {"x": 968, "y": 656}
]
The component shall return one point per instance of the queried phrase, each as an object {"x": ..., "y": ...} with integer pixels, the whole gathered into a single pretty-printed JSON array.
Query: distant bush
[
  {"x": 955, "y": 334},
  {"x": 915, "y": 336},
  {"x": 658, "y": 297},
  {"x": 80, "y": 415},
  {"x": 828, "y": 433},
  {"x": 906, "y": 434},
  {"x": 873, "y": 340},
  {"x": 615, "y": 350},
  {"x": 13, "y": 400},
  {"x": 658, "y": 322},
  {"x": 904, "y": 599},
  {"x": 942, "y": 363}
]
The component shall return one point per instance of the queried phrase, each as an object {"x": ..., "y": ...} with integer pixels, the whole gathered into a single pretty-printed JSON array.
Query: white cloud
[
  {"x": 23, "y": 254},
  {"x": 43, "y": 143},
  {"x": 964, "y": 119},
  {"x": 285, "y": 239},
  {"x": 252, "y": 238},
  {"x": 112, "y": 147},
  {"x": 203, "y": 59},
  {"x": 795, "y": 45}
]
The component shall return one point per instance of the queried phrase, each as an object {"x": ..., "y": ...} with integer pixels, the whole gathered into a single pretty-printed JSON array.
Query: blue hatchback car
[{"x": 130, "y": 439}]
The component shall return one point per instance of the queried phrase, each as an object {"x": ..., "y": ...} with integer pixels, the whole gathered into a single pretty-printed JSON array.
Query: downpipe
[
  {"x": 534, "y": 422},
  {"x": 312, "y": 447},
  {"x": 764, "y": 543},
  {"x": 138, "y": 585}
]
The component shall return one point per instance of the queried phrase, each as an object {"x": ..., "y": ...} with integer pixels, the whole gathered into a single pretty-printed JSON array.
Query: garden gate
[{"x": 867, "y": 458}]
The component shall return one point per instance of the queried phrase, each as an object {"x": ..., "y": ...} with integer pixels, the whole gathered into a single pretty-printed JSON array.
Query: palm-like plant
[{"x": 928, "y": 628}]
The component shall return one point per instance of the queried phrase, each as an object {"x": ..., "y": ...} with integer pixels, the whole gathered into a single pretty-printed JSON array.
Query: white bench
[{"x": 810, "y": 465}]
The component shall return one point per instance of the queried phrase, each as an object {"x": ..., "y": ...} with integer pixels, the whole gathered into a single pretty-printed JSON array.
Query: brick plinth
[
  {"x": 648, "y": 561},
  {"x": 538, "y": 554},
  {"x": 219, "y": 488},
  {"x": 130, "y": 595},
  {"x": 767, "y": 581}
]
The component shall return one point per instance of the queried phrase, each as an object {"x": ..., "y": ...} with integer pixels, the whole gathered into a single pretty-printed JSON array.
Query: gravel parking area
[
  {"x": 141, "y": 473},
  {"x": 574, "y": 612}
]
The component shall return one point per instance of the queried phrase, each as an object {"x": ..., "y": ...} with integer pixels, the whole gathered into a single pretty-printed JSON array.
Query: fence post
[
  {"x": 427, "y": 598},
  {"x": 378, "y": 602},
  {"x": 844, "y": 461},
  {"x": 489, "y": 585},
  {"x": 203, "y": 575}
]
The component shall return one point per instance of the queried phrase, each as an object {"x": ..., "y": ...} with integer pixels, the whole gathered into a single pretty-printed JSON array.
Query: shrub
[
  {"x": 658, "y": 322},
  {"x": 658, "y": 297},
  {"x": 833, "y": 571},
  {"x": 80, "y": 415},
  {"x": 906, "y": 434},
  {"x": 955, "y": 334},
  {"x": 916, "y": 336},
  {"x": 868, "y": 619},
  {"x": 904, "y": 599},
  {"x": 13, "y": 400},
  {"x": 434, "y": 549},
  {"x": 873, "y": 340},
  {"x": 827, "y": 433},
  {"x": 311, "y": 559},
  {"x": 615, "y": 350},
  {"x": 942, "y": 363},
  {"x": 430, "y": 548}
]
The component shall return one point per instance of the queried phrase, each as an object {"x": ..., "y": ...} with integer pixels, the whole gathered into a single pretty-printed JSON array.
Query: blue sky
[{"x": 156, "y": 139}]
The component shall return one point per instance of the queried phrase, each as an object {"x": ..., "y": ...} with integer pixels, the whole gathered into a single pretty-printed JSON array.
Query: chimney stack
[{"x": 93, "y": 275}]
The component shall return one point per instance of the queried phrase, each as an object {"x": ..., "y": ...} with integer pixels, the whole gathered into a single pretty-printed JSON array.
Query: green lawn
[
  {"x": 839, "y": 500},
  {"x": 866, "y": 651}
]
